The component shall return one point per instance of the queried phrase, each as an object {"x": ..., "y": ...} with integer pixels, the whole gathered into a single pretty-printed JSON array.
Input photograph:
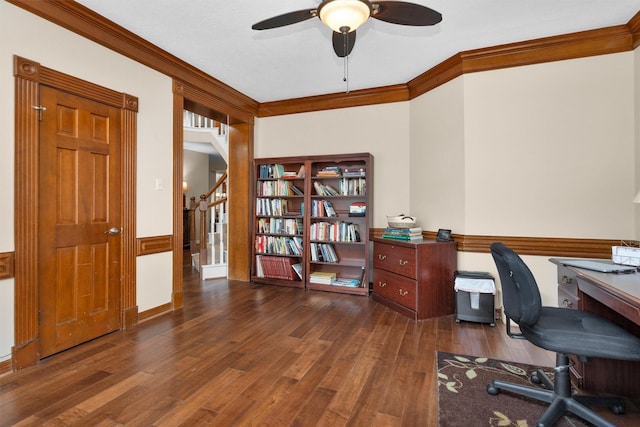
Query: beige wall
[
  {"x": 382, "y": 130},
  {"x": 546, "y": 142},
  {"x": 64, "y": 51},
  {"x": 549, "y": 153},
  {"x": 437, "y": 158},
  {"x": 545, "y": 150}
]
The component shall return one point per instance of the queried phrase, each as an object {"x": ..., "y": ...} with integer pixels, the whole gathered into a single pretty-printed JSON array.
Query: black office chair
[{"x": 564, "y": 331}]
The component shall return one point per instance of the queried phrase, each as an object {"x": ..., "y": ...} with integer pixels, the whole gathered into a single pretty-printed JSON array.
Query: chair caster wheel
[
  {"x": 618, "y": 409},
  {"x": 535, "y": 379},
  {"x": 492, "y": 390}
]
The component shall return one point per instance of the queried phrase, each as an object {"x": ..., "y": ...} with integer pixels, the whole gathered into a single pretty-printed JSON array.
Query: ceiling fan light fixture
[{"x": 341, "y": 14}]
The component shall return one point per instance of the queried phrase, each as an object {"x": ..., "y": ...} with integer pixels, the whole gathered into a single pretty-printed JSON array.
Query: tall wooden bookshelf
[{"x": 313, "y": 213}]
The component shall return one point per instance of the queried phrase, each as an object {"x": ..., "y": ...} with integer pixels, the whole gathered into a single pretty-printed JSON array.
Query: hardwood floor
[{"x": 238, "y": 354}]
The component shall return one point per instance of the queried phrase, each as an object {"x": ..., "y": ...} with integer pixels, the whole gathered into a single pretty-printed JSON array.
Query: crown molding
[
  {"x": 634, "y": 27},
  {"x": 83, "y": 21},
  {"x": 621, "y": 38},
  {"x": 356, "y": 98}
]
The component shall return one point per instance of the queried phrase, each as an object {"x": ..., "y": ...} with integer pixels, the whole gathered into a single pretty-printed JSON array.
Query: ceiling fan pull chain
[{"x": 345, "y": 73}]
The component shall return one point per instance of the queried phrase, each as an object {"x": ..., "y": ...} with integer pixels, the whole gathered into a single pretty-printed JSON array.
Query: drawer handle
[
  {"x": 403, "y": 293},
  {"x": 566, "y": 280},
  {"x": 567, "y": 303},
  {"x": 403, "y": 262},
  {"x": 382, "y": 284},
  {"x": 381, "y": 257}
]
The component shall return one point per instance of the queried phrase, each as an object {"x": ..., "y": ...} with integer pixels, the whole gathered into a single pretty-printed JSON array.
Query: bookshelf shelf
[{"x": 327, "y": 200}]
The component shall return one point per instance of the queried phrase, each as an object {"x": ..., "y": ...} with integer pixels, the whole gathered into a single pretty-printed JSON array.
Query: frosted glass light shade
[{"x": 349, "y": 14}]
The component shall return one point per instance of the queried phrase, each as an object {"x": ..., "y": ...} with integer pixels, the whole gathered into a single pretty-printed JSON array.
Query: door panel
[{"x": 79, "y": 201}]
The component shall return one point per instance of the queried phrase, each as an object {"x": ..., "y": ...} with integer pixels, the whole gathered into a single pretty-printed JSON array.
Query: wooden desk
[{"x": 617, "y": 298}]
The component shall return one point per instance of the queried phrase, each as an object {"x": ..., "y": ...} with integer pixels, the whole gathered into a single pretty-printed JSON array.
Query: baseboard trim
[
  {"x": 153, "y": 312},
  {"x": 5, "y": 367}
]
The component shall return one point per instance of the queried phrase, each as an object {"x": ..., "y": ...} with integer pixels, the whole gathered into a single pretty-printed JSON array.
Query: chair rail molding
[
  {"x": 541, "y": 246},
  {"x": 7, "y": 260}
]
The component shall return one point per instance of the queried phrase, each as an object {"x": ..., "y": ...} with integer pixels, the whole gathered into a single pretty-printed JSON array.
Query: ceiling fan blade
[
  {"x": 404, "y": 13},
  {"x": 285, "y": 19},
  {"x": 343, "y": 43}
]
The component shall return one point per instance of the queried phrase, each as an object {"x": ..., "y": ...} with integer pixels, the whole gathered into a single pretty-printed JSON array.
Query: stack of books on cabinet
[
  {"x": 312, "y": 217},
  {"x": 404, "y": 234}
]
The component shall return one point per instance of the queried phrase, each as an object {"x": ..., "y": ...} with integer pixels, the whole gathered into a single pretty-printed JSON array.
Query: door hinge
[{"x": 40, "y": 109}]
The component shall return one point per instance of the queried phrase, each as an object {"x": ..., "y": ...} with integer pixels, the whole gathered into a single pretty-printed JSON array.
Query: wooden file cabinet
[{"x": 415, "y": 278}]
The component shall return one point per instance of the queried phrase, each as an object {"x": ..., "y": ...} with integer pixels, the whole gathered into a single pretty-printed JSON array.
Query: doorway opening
[{"x": 205, "y": 196}]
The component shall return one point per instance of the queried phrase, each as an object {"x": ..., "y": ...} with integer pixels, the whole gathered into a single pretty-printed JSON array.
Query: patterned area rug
[{"x": 463, "y": 399}]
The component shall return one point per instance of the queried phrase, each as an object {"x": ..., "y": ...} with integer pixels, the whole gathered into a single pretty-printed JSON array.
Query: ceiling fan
[{"x": 345, "y": 16}]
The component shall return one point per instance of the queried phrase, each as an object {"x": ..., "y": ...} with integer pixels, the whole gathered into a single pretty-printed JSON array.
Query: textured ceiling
[{"x": 298, "y": 60}]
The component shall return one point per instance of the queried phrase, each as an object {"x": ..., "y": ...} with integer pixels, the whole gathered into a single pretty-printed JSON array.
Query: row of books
[
  {"x": 272, "y": 206},
  {"x": 278, "y": 267},
  {"x": 320, "y": 208},
  {"x": 353, "y": 186},
  {"x": 339, "y": 231},
  {"x": 280, "y": 225},
  {"x": 276, "y": 171},
  {"x": 324, "y": 189},
  {"x": 336, "y": 171},
  {"x": 407, "y": 234},
  {"x": 323, "y": 252},
  {"x": 278, "y": 188},
  {"x": 346, "y": 187},
  {"x": 280, "y": 245}
]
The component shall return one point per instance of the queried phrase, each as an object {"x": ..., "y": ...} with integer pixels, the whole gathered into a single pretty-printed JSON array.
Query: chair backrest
[{"x": 520, "y": 293}]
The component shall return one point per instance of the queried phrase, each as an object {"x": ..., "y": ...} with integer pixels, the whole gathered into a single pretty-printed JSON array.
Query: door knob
[{"x": 113, "y": 231}]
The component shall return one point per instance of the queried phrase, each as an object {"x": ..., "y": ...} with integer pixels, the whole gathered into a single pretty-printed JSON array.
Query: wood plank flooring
[{"x": 238, "y": 354}]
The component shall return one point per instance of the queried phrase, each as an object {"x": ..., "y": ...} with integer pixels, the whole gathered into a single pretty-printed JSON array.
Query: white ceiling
[{"x": 298, "y": 60}]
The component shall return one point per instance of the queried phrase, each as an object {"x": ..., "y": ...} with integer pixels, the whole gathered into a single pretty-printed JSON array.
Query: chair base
[{"x": 558, "y": 394}]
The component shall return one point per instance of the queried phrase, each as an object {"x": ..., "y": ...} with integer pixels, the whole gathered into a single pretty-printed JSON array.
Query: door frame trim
[
  {"x": 239, "y": 168},
  {"x": 28, "y": 76}
]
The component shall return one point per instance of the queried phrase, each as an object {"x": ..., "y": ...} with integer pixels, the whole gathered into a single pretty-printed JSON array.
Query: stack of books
[
  {"x": 322, "y": 277},
  {"x": 354, "y": 172},
  {"x": 352, "y": 283},
  {"x": 340, "y": 281},
  {"x": 406, "y": 234},
  {"x": 329, "y": 171}
]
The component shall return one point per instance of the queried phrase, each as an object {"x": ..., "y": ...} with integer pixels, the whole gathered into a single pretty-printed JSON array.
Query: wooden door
[{"x": 79, "y": 220}]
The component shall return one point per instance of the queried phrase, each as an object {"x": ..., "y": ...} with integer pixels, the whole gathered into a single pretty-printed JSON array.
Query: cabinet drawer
[
  {"x": 397, "y": 259},
  {"x": 567, "y": 288},
  {"x": 394, "y": 287},
  {"x": 567, "y": 280},
  {"x": 567, "y": 299}
]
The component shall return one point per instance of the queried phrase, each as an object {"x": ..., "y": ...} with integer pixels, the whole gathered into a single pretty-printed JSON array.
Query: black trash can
[{"x": 475, "y": 292}]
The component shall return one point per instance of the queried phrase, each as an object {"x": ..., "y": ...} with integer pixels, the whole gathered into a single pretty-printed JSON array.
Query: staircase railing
[{"x": 215, "y": 200}]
